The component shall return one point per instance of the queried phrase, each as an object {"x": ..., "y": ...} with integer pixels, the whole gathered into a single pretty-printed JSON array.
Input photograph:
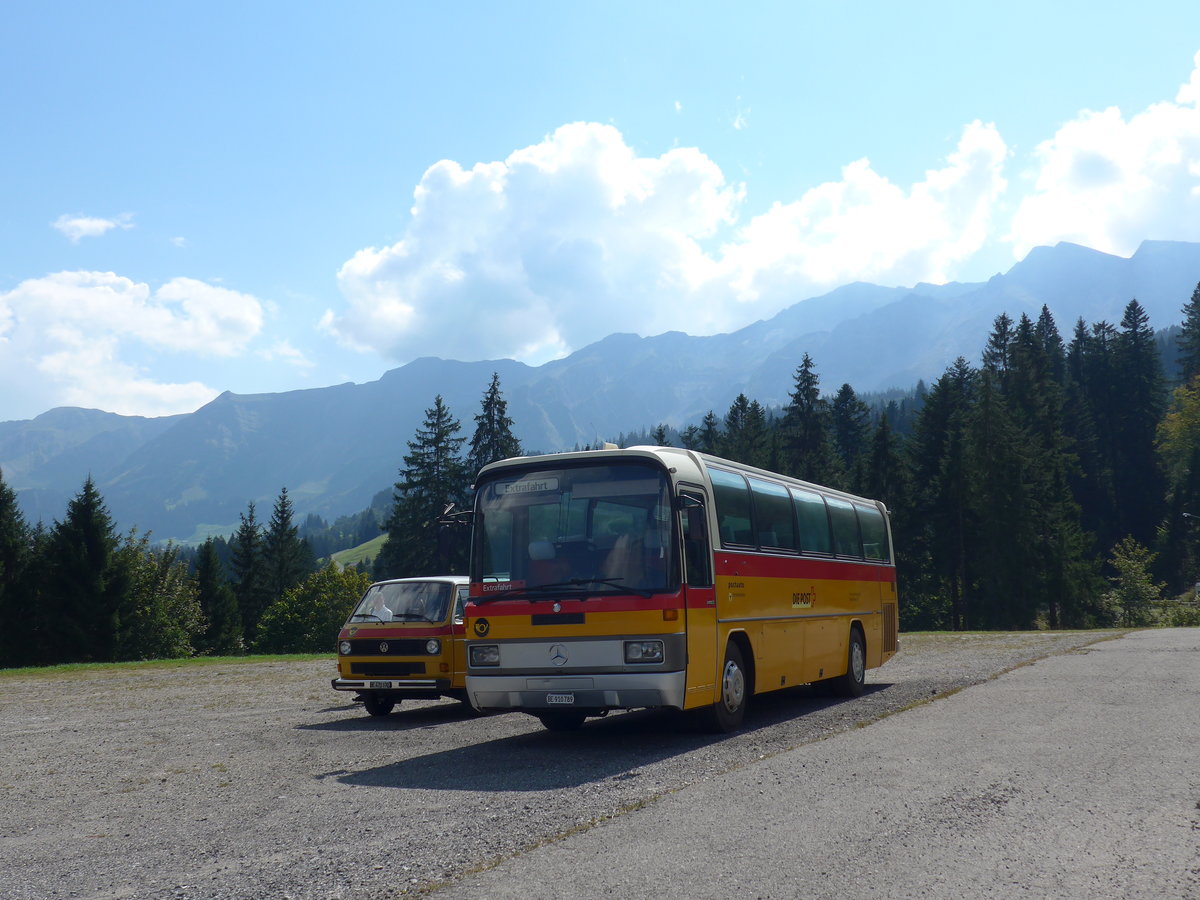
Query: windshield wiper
[
  {"x": 410, "y": 617},
  {"x": 615, "y": 583},
  {"x": 367, "y": 615}
]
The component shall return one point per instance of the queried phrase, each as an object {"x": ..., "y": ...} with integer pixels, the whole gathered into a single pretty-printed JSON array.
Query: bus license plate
[
  {"x": 380, "y": 685},
  {"x": 556, "y": 699}
]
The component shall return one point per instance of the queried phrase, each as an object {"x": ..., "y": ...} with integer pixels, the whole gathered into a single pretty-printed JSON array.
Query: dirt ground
[{"x": 255, "y": 779}]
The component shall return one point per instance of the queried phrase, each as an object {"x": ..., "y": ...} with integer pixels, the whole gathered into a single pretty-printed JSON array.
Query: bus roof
[{"x": 687, "y": 465}]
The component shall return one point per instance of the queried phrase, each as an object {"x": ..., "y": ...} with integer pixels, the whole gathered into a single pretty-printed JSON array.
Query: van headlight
[
  {"x": 433, "y": 647},
  {"x": 344, "y": 648},
  {"x": 643, "y": 651}
]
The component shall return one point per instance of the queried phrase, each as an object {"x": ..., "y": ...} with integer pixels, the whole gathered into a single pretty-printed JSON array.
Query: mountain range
[{"x": 334, "y": 448}]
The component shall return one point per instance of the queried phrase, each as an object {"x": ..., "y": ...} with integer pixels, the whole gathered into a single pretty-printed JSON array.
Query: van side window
[
  {"x": 813, "y": 522},
  {"x": 732, "y": 498}
]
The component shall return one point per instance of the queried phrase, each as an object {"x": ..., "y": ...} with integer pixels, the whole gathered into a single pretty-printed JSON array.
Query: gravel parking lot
[{"x": 254, "y": 779}]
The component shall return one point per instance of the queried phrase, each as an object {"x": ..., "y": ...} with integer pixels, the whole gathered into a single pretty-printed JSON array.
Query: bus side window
[
  {"x": 773, "y": 515},
  {"x": 732, "y": 497},
  {"x": 814, "y": 522},
  {"x": 696, "y": 552},
  {"x": 846, "y": 538},
  {"x": 874, "y": 533}
]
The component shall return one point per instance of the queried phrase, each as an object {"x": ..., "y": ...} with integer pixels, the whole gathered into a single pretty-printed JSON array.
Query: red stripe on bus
[{"x": 753, "y": 565}]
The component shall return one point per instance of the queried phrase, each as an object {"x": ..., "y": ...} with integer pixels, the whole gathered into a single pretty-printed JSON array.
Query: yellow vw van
[{"x": 405, "y": 641}]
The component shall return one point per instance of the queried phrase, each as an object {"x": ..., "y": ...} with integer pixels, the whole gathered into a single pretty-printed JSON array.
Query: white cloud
[
  {"x": 865, "y": 228},
  {"x": 71, "y": 337},
  {"x": 1110, "y": 183},
  {"x": 283, "y": 350},
  {"x": 576, "y": 237},
  {"x": 80, "y": 226}
]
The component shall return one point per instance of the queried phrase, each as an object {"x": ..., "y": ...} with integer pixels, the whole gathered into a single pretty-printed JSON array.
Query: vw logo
[
  {"x": 383, "y": 645},
  {"x": 558, "y": 655}
]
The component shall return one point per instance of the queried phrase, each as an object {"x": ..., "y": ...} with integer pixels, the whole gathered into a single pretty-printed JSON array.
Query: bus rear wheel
[
  {"x": 378, "y": 705},
  {"x": 854, "y": 682},
  {"x": 730, "y": 708}
]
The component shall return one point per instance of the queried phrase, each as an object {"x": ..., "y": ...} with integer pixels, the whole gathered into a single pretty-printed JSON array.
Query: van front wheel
[{"x": 378, "y": 705}]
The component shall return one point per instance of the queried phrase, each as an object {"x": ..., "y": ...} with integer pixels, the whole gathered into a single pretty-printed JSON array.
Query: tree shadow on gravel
[{"x": 611, "y": 747}]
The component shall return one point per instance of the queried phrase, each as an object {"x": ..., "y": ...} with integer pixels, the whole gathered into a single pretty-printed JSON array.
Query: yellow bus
[
  {"x": 661, "y": 577},
  {"x": 404, "y": 640}
]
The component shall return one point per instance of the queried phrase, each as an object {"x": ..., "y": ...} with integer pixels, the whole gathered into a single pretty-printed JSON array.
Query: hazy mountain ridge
[{"x": 335, "y": 447}]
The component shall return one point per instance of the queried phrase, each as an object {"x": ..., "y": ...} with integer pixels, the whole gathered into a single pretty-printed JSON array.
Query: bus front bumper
[{"x": 592, "y": 692}]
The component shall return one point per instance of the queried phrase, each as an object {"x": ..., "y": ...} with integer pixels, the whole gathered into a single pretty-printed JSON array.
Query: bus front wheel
[
  {"x": 378, "y": 705},
  {"x": 730, "y": 708},
  {"x": 854, "y": 681}
]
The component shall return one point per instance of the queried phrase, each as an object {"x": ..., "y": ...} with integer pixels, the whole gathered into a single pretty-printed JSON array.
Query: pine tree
[
  {"x": 995, "y": 354},
  {"x": 86, "y": 586},
  {"x": 710, "y": 434},
  {"x": 223, "y": 631},
  {"x": 851, "y": 419},
  {"x": 17, "y": 596},
  {"x": 493, "y": 439},
  {"x": 286, "y": 557},
  {"x": 434, "y": 477},
  {"x": 1090, "y": 382},
  {"x": 747, "y": 438},
  {"x": 999, "y": 462},
  {"x": 1189, "y": 339},
  {"x": 659, "y": 435},
  {"x": 937, "y": 561},
  {"x": 250, "y": 584},
  {"x": 805, "y": 442},
  {"x": 885, "y": 476},
  {"x": 1140, "y": 404}
]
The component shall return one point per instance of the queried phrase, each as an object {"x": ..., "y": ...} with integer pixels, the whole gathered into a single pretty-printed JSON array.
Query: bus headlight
[
  {"x": 643, "y": 651},
  {"x": 433, "y": 647},
  {"x": 344, "y": 648},
  {"x": 485, "y": 655}
]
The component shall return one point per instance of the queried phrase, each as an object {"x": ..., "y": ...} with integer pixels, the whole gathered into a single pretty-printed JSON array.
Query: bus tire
[
  {"x": 853, "y": 683},
  {"x": 562, "y": 720},
  {"x": 378, "y": 705},
  {"x": 730, "y": 708}
]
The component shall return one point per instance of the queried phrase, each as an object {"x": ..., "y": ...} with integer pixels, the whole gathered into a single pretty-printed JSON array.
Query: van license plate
[
  {"x": 556, "y": 699},
  {"x": 380, "y": 685}
]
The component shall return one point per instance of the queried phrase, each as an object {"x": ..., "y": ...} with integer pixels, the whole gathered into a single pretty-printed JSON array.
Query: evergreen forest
[{"x": 1056, "y": 484}]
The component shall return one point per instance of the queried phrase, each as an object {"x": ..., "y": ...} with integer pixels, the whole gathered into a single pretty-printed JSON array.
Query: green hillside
[{"x": 362, "y": 553}]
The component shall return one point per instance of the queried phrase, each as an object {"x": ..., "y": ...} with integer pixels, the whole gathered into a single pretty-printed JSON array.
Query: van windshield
[
  {"x": 586, "y": 528},
  {"x": 406, "y": 601}
]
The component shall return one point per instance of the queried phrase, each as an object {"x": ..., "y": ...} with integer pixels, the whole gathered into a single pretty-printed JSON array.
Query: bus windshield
[
  {"x": 404, "y": 601},
  {"x": 587, "y": 529}
]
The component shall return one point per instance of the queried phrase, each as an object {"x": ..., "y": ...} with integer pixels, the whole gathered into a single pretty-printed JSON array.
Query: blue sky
[{"x": 199, "y": 197}]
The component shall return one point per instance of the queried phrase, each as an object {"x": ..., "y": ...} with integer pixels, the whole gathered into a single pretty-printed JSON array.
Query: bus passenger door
[{"x": 700, "y": 601}]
